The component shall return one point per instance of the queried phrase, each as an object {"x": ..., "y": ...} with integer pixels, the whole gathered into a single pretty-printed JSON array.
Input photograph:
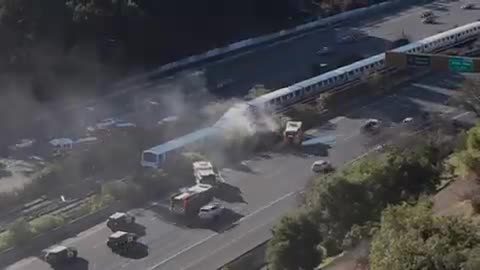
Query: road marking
[
  {"x": 267, "y": 206},
  {"x": 228, "y": 244},
  {"x": 461, "y": 115},
  {"x": 214, "y": 234}
]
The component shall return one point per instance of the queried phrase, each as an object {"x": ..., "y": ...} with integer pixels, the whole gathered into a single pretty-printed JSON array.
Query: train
[{"x": 282, "y": 98}]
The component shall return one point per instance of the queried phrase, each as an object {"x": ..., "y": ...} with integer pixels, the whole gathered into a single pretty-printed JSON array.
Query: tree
[
  {"x": 85, "y": 11},
  {"x": 411, "y": 238},
  {"x": 256, "y": 91},
  {"x": 469, "y": 96},
  {"x": 295, "y": 244}
]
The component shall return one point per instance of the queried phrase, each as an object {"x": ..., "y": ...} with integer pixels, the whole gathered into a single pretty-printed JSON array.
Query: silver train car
[{"x": 281, "y": 98}]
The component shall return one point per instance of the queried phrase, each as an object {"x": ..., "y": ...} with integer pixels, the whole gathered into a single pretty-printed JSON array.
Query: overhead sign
[
  {"x": 418, "y": 60},
  {"x": 432, "y": 61},
  {"x": 458, "y": 64}
]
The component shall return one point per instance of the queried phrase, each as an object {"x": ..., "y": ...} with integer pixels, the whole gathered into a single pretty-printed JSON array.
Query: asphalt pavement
[
  {"x": 276, "y": 65},
  {"x": 267, "y": 189}
]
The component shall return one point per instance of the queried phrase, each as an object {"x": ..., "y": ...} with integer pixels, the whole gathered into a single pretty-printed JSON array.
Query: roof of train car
[
  {"x": 182, "y": 141},
  {"x": 355, "y": 65}
]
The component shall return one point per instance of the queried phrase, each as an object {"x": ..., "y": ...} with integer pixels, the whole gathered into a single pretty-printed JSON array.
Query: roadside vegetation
[{"x": 386, "y": 200}]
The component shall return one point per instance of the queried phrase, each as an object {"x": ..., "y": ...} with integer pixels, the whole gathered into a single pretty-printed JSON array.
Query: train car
[{"x": 282, "y": 98}]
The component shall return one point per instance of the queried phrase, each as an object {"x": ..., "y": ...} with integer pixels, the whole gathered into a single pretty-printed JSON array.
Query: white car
[
  {"x": 407, "y": 120},
  {"x": 210, "y": 211},
  {"x": 371, "y": 124},
  {"x": 320, "y": 166},
  {"x": 324, "y": 51},
  {"x": 468, "y": 6}
]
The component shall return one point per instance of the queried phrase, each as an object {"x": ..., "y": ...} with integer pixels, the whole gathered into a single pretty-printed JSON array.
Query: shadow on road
[
  {"x": 136, "y": 228},
  {"x": 138, "y": 251},
  {"x": 77, "y": 264},
  {"x": 229, "y": 193}
]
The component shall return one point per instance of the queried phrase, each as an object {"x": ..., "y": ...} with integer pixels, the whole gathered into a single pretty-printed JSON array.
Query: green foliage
[
  {"x": 84, "y": 11},
  {"x": 469, "y": 157},
  {"x": 345, "y": 202},
  {"x": 46, "y": 223},
  {"x": 411, "y": 238},
  {"x": 20, "y": 232},
  {"x": 256, "y": 91},
  {"x": 295, "y": 244}
]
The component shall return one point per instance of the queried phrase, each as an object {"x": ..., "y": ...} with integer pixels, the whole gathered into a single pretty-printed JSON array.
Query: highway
[
  {"x": 269, "y": 184},
  {"x": 268, "y": 188},
  {"x": 276, "y": 65}
]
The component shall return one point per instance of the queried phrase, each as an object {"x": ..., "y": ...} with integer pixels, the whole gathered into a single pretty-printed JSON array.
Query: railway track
[{"x": 472, "y": 50}]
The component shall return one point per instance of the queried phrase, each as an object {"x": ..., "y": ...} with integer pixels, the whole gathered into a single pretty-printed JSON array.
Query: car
[
  {"x": 426, "y": 14},
  {"x": 321, "y": 166},
  {"x": 122, "y": 241},
  {"x": 371, "y": 125},
  {"x": 468, "y": 6},
  {"x": 210, "y": 211},
  {"x": 407, "y": 120},
  {"x": 427, "y": 20},
  {"x": 119, "y": 221},
  {"x": 324, "y": 51},
  {"x": 60, "y": 255}
]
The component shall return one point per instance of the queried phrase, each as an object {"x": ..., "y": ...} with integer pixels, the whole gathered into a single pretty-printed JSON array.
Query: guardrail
[
  {"x": 127, "y": 85},
  {"x": 44, "y": 240}
]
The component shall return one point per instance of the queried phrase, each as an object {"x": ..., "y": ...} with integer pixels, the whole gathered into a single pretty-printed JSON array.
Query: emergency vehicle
[
  {"x": 189, "y": 201},
  {"x": 204, "y": 173},
  {"x": 293, "y": 132}
]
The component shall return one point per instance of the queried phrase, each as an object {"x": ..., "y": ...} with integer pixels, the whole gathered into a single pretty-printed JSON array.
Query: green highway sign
[
  {"x": 459, "y": 64},
  {"x": 418, "y": 60}
]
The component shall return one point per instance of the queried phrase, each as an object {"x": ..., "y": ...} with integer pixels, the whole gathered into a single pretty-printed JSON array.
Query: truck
[
  {"x": 293, "y": 133},
  {"x": 204, "y": 173},
  {"x": 188, "y": 202}
]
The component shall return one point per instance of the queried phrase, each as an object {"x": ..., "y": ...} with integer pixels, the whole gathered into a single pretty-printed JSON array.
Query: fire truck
[
  {"x": 204, "y": 173},
  {"x": 189, "y": 201},
  {"x": 293, "y": 133}
]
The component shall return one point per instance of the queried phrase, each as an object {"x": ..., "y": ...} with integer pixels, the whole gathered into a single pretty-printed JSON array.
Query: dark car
[
  {"x": 60, "y": 255},
  {"x": 120, "y": 221},
  {"x": 122, "y": 241}
]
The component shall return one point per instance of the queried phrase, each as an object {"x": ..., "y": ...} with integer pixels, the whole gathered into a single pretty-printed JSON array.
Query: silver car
[{"x": 211, "y": 211}]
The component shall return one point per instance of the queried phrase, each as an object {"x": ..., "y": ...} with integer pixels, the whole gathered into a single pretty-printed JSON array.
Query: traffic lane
[
  {"x": 298, "y": 53},
  {"x": 299, "y": 50},
  {"x": 163, "y": 237},
  {"x": 339, "y": 153},
  {"x": 448, "y": 15},
  {"x": 242, "y": 233}
]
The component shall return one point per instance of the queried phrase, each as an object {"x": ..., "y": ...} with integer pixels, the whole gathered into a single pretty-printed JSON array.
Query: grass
[
  {"x": 459, "y": 167},
  {"x": 5, "y": 240},
  {"x": 46, "y": 223}
]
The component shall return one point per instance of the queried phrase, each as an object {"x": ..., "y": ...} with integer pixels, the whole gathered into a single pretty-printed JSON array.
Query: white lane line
[
  {"x": 461, "y": 115},
  {"x": 182, "y": 251},
  {"x": 267, "y": 206},
  {"x": 227, "y": 244},
  {"x": 214, "y": 234}
]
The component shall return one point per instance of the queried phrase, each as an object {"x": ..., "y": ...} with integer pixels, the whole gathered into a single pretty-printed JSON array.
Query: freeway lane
[
  {"x": 285, "y": 62},
  {"x": 267, "y": 189}
]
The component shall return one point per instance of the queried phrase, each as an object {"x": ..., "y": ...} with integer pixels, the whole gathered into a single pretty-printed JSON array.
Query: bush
[
  {"x": 20, "y": 232},
  {"x": 46, "y": 223},
  {"x": 295, "y": 244},
  {"x": 411, "y": 238}
]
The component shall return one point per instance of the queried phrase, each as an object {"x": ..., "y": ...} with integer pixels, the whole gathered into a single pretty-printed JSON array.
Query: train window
[{"x": 350, "y": 73}]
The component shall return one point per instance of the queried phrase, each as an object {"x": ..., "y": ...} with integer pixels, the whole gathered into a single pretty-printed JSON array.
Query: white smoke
[{"x": 241, "y": 122}]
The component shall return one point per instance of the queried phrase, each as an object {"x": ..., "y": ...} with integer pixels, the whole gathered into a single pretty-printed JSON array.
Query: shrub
[
  {"x": 46, "y": 223},
  {"x": 20, "y": 232}
]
